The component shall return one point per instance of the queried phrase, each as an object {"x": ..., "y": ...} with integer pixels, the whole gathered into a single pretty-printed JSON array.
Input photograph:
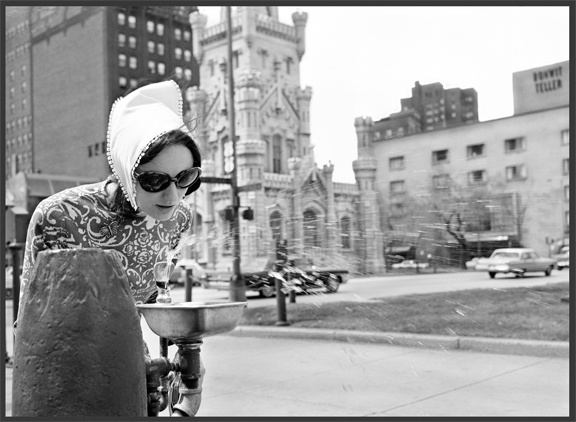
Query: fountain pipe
[{"x": 190, "y": 371}]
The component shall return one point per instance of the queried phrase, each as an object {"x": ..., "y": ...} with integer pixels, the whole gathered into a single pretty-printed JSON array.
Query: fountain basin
[{"x": 190, "y": 322}]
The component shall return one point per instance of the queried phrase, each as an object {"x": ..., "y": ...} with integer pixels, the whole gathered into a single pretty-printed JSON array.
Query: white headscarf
[{"x": 136, "y": 121}]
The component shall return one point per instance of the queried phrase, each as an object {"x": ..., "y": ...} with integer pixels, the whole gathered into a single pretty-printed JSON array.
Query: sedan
[{"x": 515, "y": 260}]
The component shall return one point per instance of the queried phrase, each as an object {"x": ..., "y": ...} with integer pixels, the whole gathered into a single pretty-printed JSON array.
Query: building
[
  {"x": 291, "y": 198},
  {"x": 507, "y": 179},
  {"x": 68, "y": 64},
  {"x": 431, "y": 107},
  {"x": 18, "y": 100}
]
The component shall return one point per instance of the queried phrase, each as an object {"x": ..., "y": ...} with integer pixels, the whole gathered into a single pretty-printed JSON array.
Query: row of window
[
  {"x": 19, "y": 123},
  {"x": 18, "y": 162},
  {"x": 23, "y": 88},
  {"x": 152, "y": 27},
  {"x": 154, "y": 48},
  {"x": 21, "y": 27},
  {"x": 474, "y": 151},
  {"x": 23, "y": 69},
  {"x": 20, "y": 51},
  {"x": 13, "y": 106},
  {"x": 22, "y": 140},
  {"x": 475, "y": 177}
]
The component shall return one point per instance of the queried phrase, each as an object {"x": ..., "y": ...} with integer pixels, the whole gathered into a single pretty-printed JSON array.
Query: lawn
[{"x": 532, "y": 313}]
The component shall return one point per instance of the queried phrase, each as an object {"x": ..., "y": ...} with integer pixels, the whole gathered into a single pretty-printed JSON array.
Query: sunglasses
[{"x": 155, "y": 181}]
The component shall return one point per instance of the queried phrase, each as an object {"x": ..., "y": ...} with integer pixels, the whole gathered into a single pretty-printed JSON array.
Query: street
[{"x": 359, "y": 289}]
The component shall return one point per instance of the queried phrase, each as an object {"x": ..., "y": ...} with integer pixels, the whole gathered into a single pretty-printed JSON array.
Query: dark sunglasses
[{"x": 155, "y": 181}]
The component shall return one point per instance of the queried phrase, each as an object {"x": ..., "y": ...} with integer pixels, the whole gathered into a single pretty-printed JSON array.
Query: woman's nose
[{"x": 171, "y": 193}]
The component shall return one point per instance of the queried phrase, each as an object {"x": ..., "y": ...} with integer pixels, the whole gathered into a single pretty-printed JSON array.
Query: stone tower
[
  {"x": 272, "y": 117},
  {"x": 369, "y": 215}
]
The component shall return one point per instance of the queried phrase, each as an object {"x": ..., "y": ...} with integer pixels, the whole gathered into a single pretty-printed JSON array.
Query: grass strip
[{"x": 530, "y": 313}]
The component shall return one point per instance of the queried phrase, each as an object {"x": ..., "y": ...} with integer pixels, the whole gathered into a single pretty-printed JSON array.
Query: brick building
[{"x": 79, "y": 59}]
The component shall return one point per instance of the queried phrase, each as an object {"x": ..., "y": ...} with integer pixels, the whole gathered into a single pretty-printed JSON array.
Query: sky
[{"x": 360, "y": 61}]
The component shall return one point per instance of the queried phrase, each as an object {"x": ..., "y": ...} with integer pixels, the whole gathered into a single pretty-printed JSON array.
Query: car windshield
[{"x": 505, "y": 255}]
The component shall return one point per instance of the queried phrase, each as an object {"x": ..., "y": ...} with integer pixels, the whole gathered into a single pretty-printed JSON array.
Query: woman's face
[{"x": 161, "y": 205}]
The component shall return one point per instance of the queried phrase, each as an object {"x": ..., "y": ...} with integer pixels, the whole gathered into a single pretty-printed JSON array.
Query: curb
[{"x": 556, "y": 349}]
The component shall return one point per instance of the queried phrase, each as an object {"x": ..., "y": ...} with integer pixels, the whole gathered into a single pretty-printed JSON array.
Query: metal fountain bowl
[{"x": 189, "y": 322}]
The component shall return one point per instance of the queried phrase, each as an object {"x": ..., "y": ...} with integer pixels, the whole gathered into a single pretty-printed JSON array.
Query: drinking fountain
[{"x": 186, "y": 324}]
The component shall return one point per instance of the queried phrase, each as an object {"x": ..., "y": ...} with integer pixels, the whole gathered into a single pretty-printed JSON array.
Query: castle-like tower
[{"x": 292, "y": 199}]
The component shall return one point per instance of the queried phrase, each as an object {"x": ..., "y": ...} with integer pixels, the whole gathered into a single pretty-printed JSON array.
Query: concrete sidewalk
[{"x": 287, "y": 371}]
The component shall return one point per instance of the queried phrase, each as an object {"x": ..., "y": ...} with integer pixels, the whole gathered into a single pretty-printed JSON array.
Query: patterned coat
[{"x": 81, "y": 217}]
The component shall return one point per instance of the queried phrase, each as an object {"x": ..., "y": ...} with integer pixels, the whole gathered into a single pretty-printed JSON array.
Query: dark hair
[{"x": 174, "y": 137}]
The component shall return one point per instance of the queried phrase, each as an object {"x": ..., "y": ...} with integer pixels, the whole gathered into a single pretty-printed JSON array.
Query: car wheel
[
  {"x": 267, "y": 291},
  {"x": 560, "y": 268},
  {"x": 548, "y": 271},
  {"x": 492, "y": 274},
  {"x": 332, "y": 285}
]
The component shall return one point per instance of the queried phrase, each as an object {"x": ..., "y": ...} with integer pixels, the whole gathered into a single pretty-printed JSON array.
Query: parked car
[
  {"x": 562, "y": 258},
  {"x": 515, "y": 260},
  {"x": 199, "y": 274},
  {"x": 410, "y": 264}
]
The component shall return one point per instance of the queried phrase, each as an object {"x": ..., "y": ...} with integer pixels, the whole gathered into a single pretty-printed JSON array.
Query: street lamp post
[{"x": 237, "y": 289}]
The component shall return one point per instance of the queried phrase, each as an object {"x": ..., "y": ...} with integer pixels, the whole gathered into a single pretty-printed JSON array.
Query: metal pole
[{"x": 237, "y": 289}]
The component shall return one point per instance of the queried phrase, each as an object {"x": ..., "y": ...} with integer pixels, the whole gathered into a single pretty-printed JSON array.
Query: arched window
[
  {"x": 276, "y": 225},
  {"x": 276, "y": 154},
  {"x": 310, "y": 229},
  {"x": 345, "y": 232}
]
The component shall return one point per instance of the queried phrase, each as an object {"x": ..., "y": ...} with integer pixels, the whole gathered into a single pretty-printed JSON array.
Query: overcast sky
[{"x": 360, "y": 61}]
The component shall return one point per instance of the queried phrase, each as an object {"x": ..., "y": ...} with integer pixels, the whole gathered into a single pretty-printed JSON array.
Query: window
[
  {"x": 397, "y": 186},
  {"x": 133, "y": 62},
  {"x": 178, "y": 53},
  {"x": 397, "y": 210},
  {"x": 151, "y": 47},
  {"x": 150, "y": 26},
  {"x": 396, "y": 163},
  {"x": 186, "y": 35},
  {"x": 161, "y": 68},
  {"x": 121, "y": 18},
  {"x": 567, "y": 192},
  {"x": 566, "y": 165},
  {"x": 475, "y": 150},
  {"x": 276, "y": 154},
  {"x": 133, "y": 83},
  {"x": 178, "y": 34},
  {"x": 567, "y": 220},
  {"x": 122, "y": 60},
  {"x": 12, "y": 75},
  {"x": 160, "y": 29},
  {"x": 236, "y": 59},
  {"x": 516, "y": 172},
  {"x": 514, "y": 145},
  {"x": 187, "y": 55},
  {"x": 211, "y": 66},
  {"x": 345, "y": 232},
  {"x": 23, "y": 87},
  {"x": 151, "y": 66},
  {"x": 121, "y": 40},
  {"x": 132, "y": 21},
  {"x": 122, "y": 81},
  {"x": 132, "y": 41},
  {"x": 12, "y": 91},
  {"x": 12, "y": 108},
  {"x": 310, "y": 229},
  {"x": 178, "y": 71},
  {"x": 477, "y": 177},
  {"x": 441, "y": 181},
  {"x": 565, "y": 136},
  {"x": 276, "y": 225},
  {"x": 188, "y": 74},
  {"x": 440, "y": 156}
]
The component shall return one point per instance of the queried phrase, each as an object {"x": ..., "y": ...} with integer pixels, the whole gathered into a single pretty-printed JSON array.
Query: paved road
[
  {"x": 359, "y": 289},
  {"x": 250, "y": 376}
]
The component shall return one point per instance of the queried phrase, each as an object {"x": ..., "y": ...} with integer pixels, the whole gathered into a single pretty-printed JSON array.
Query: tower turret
[
  {"x": 198, "y": 23},
  {"x": 363, "y": 127},
  {"x": 304, "y": 96},
  {"x": 299, "y": 19},
  {"x": 247, "y": 103}
]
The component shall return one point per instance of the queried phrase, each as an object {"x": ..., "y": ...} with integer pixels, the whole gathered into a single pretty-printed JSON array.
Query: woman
[{"x": 139, "y": 210}]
